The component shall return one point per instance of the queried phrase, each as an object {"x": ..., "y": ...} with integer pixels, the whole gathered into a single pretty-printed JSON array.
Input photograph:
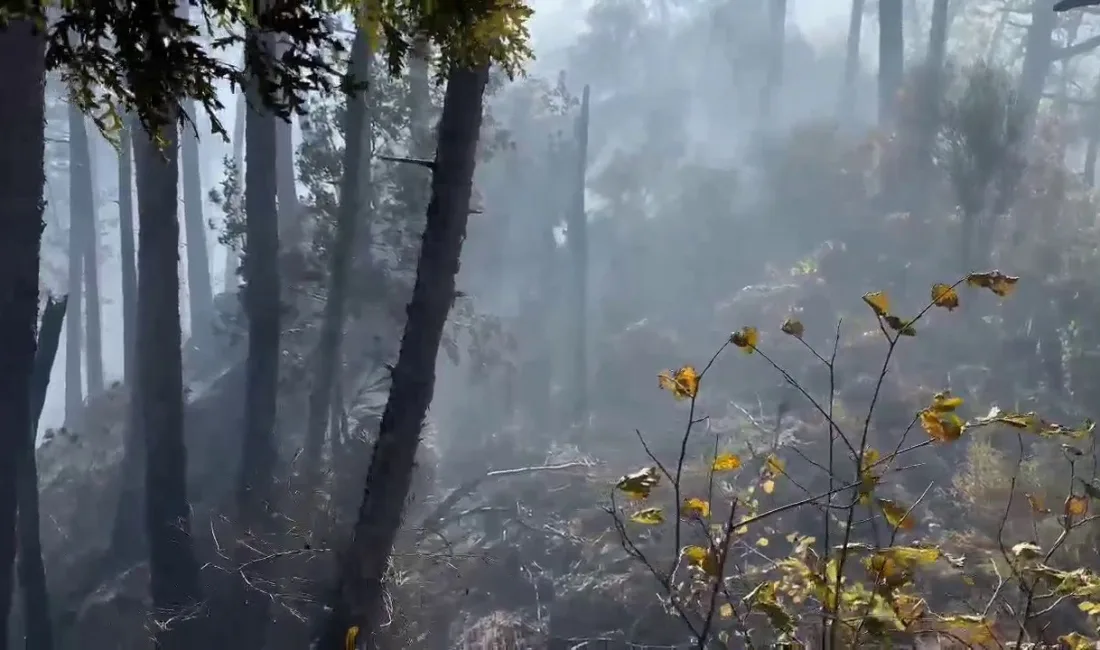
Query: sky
[{"x": 556, "y": 21}]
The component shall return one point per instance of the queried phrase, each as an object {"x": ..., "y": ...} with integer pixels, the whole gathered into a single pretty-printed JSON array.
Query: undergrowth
[{"x": 723, "y": 536}]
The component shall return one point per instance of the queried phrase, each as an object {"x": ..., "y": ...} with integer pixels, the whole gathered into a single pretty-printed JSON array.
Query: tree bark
[
  {"x": 93, "y": 319},
  {"x": 22, "y": 179},
  {"x": 74, "y": 331},
  {"x": 158, "y": 412},
  {"x": 126, "y": 246},
  {"x": 231, "y": 257},
  {"x": 891, "y": 59},
  {"x": 1038, "y": 57},
  {"x": 578, "y": 247},
  {"x": 200, "y": 293},
  {"x": 358, "y": 598},
  {"x": 356, "y": 157},
  {"x": 32, "y": 572},
  {"x": 262, "y": 306},
  {"x": 851, "y": 61}
]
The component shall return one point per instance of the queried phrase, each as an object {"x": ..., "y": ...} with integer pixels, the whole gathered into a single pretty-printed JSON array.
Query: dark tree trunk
[
  {"x": 262, "y": 306},
  {"x": 851, "y": 62},
  {"x": 777, "y": 40},
  {"x": 1038, "y": 57},
  {"x": 32, "y": 572},
  {"x": 291, "y": 232},
  {"x": 356, "y": 157},
  {"x": 578, "y": 246},
  {"x": 1093, "y": 137},
  {"x": 126, "y": 246},
  {"x": 359, "y": 591},
  {"x": 174, "y": 570},
  {"x": 200, "y": 293},
  {"x": 231, "y": 257},
  {"x": 891, "y": 58},
  {"x": 22, "y": 179},
  {"x": 74, "y": 331},
  {"x": 93, "y": 319}
]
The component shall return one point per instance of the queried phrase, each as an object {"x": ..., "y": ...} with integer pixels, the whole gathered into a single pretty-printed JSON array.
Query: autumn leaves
[{"x": 883, "y": 600}]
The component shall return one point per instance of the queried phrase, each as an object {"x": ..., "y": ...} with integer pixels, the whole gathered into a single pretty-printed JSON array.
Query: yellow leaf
[
  {"x": 639, "y": 484},
  {"x": 1076, "y": 506},
  {"x": 700, "y": 557},
  {"x": 762, "y": 542},
  {"x": 972, "y": 630},
  {"x": 941, "y": 426},
  {"x": 741, "y": 530},
  {"x": 725, "y": 611},
  {"x": 768, "y": 486},
  {"x": 350, "y": 637},
  {"x": 995, "y": 281},
  {"x": 868, "y": 478},
  {"x": 1077, "y": 641},
  {"x": 896, "y": 515},
  {"x": 746, "y": 338},
  {"x": 726, "y": 463},
  {"x": 773, "y": 466},
  {"x": 944, "y": 296},
  {"x": 683, "y": 383},
  {"x": 793, "y": 327},
  {"x": 903, "y": 327},
  {"x": 695, "y": 507},
  {"x": 648, "y": 516},
  {"x": 912, "y": 555},
  {"x": 878, "y": 302},
  {"x": 944, "y": 401},
  {"x": 1036, "y": 504}
]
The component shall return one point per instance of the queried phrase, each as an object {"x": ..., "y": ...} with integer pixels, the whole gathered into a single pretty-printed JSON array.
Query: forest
[{"x": 382, "y": 324}]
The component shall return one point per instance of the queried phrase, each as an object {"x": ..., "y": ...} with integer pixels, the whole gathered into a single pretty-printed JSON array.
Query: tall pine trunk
[
  {"x": 262, "y": 306},
  {"x": 1038, "y": 58},
  {"x": 84, "y": 227},
  {"x": 393, "y": 461},
  {"x": 32, "y": 571},
  {"x": 231, "y": 256},
  {"x": 126, "y": 245},
  {"x": 22, "y": 180},
  {"x": 578, "y": 247},
  {"x": 74, "y": 330},
  {"x": 356, "y": 157},
  {"x": 93, "y": 315},
  {"x": 891, "y": 59},
  {"x": 200, "y": 293},
  {"x": 158, "y": 410},
  {"x": 851, "y": 61}
]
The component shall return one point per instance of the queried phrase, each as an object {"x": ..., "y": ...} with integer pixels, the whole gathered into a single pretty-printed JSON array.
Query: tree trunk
[
  {"x": 1092, "y": 142},
  {"x": 93, "y": 319},
  {"x": 851, "y": 61},
  {"x": 773, "y": 81},
  {"x": 262, "y": 306},
  {"x": 1038, "y": 57},
  {"x": 891, "y": 59},
  {"x": 358, "y": 599},
  {"x": 578, "y": 247},
  {"x": 231, "y": 257},
  {"x": 174, "y": 570},
  {"x": 32, "y": 572},
  {"x": 126, "y": 246},
  {"x": 22, "y": 180},
  {"x": 356, "y": 157},
  {"x": 291, "y": 232},
  {"x": 74, "y": 331},
  {"x": 200, "y": 293}
]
